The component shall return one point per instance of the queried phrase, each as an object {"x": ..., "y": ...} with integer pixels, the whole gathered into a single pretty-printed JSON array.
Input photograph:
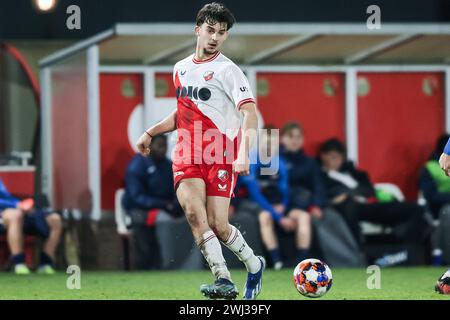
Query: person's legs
[
  {"x": 143, "y": 240},
  {"x": 269, "y": 238},
  {"x": 191, "y": 194},
  {"x": 303, "y": 232},
  {"x": 406, "y": 214},
  {"x": 231, "y": 237},
  {"x": 54, "y": 223},
  {"x": 13, "y": 223}
]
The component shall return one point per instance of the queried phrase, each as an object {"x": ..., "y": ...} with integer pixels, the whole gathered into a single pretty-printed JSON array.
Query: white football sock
[
  {"x": 241, "y": 249},
  {"x": 212, "y": 251}
]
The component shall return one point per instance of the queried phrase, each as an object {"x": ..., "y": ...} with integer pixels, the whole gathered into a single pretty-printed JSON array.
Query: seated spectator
[
  {"x": 149, "y": 195},
  {"x": 434, "y": 184},
  {"x": 305, "y": 180},
  {"x": 19, "y": 218},
  {"x": 271, "y": 192},
  {"x": 352, "y": 194}
]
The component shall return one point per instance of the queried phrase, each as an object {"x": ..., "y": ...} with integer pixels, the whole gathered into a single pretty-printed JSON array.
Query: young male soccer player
[{"x": 211, "y": 93}]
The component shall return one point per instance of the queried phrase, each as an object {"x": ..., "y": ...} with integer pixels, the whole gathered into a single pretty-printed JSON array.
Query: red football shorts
[{"x": 219, "y": 178}]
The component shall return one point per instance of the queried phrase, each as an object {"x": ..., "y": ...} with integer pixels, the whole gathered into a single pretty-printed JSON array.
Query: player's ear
[{"x": 197, "y": 30}]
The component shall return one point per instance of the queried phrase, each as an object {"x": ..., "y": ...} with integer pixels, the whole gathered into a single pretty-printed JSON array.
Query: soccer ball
[
  {"x": 312, "y": 278},
  {"x": 443, "y": 283}
]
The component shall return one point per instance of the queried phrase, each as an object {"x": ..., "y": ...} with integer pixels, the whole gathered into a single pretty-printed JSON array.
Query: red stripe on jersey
[
  {"x": 245, "y": 101},
  {"x": 206, "y": 60}
]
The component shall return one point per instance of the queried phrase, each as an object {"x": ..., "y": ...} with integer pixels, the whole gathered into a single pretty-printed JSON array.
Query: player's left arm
[{"x": 249, "y": 125}]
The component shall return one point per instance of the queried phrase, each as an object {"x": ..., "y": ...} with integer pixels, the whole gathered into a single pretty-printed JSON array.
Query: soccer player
[
  {"x": 444, "y": 160},
  {"x": 212, "y": 93}
]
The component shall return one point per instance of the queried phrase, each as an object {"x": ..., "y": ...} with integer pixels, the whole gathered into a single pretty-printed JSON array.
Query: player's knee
[
  {"x": 221, "y": 230},
  {"x": 265, "y": 218},
  {"x": 303, "y": 218},
  {"x": 13, "y": 216},
  {"x": 54, "y": 221}
]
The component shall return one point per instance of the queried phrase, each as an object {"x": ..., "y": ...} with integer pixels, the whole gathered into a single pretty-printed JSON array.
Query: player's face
[
  {"x": 332, "y": 160},
  {"x": 292, "y": 140},
  {"x": 211, "y": 37}
]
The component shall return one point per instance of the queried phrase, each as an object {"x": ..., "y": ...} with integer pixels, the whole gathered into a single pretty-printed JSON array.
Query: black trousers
[
  {"x": 406, "y": 218},
  {"x": 145, "y": 243}
]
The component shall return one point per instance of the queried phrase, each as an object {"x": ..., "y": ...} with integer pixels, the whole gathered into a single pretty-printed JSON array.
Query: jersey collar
[{"x": 207, "y": 60}]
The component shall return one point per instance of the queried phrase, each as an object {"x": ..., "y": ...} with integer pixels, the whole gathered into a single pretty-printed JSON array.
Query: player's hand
[
  {"x": 26, "y": 205},
  {"x": 143, "y": 144},
  {"x": 241, "y": 166},
  {"x": 288, "y": 224},
  {"x": 444, "y": 162}
]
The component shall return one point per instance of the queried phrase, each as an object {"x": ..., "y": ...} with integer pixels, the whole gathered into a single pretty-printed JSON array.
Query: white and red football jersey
[{"x": 209, "y": 95}]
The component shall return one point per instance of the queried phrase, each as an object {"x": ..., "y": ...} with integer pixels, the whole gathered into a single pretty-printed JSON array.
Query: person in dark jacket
[
  {"x": 305, "y": 180},
  {"x": 433, "y": 182},
  {"x": 352, "y": 194},
  {"x": 149, "y": 194}
]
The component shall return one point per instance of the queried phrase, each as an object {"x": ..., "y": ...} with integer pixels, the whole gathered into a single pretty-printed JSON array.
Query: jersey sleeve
[{"x": 236, "y": 86}]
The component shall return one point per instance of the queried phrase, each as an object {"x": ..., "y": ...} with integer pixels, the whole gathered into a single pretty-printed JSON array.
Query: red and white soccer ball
[
  {"x": 443, "y": 283},
  {"x": 312, "y": 278}
]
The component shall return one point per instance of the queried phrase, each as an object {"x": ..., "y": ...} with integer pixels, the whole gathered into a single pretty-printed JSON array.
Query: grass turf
[{"x": 350, "y": 284}]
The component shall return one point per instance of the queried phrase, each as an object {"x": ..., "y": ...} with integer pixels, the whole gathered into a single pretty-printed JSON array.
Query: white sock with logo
[
  {"x": 212, "y": 251},
  {"x": 241, "y": 249}
]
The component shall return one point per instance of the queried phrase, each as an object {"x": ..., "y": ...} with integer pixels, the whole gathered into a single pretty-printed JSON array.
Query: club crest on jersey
[
  {"x": 222, "y": 175},
  {"x": 208, "y": 75}
]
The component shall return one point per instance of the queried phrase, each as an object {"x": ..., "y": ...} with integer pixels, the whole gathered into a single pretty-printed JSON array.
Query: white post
[
  {"x": 93, "y": 87},
  {"x": 46, "y": 134},
  {"x": 351, "y": 113},
  {"x": 149, "y": 96}
]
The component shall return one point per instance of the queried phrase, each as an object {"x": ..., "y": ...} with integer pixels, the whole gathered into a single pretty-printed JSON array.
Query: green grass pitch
[{"x": 350, "y": 284}]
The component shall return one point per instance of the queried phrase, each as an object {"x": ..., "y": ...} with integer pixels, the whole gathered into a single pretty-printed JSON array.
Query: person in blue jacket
[
  {"x": 270, "y": 189},
  {"x": 21, "y": 217},
  {"x": 149, "y": 194}
]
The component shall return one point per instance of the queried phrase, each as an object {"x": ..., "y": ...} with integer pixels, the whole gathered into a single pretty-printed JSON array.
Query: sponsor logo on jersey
[
  {"x": 195, "y": 93},
  {"x": 183, "y": 72},
  {"x": 222, "y": 187},
  {"x": 208, "y": 75},
  {"x": 222, "y": 175},
  {"x": 178, "y": 173}
]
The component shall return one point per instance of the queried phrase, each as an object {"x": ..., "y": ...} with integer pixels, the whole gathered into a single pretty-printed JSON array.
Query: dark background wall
[{"x": 20, "y": 20}]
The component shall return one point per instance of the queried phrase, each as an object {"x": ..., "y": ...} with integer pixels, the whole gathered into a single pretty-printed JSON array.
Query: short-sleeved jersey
[{"x": 209, "y": 95}]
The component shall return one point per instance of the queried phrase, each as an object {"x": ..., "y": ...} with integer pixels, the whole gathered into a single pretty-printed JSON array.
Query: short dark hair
[
  {"x": 288, "y": 127},
  {"x": 333, "y": 144},
  {"x": 212, "y": 13}
]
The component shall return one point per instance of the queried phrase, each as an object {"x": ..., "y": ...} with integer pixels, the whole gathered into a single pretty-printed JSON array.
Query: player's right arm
[
  {"x": 444, "y": 160},
  {"x": 166, "y": 125}
]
